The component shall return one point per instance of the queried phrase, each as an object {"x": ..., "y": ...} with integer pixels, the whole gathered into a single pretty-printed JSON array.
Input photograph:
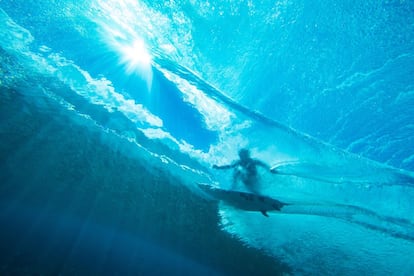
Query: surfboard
[{"x": 243, "y": 200}]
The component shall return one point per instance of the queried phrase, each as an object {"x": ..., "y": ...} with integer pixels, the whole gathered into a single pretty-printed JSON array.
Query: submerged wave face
[{"x": 127, "y": 104}]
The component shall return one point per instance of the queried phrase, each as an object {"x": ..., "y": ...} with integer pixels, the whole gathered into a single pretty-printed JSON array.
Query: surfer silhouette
[{"x": 245, "y": 170}]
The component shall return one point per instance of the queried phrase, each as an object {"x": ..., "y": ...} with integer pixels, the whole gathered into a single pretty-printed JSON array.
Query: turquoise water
[{"x": 112, "y": 111}]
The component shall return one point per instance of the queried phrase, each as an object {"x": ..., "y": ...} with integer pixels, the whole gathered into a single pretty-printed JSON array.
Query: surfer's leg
[
  {"x": 236, "y": 176},
  {"x": 252, "y": 189},
  {"x": 251, "y": 184}
]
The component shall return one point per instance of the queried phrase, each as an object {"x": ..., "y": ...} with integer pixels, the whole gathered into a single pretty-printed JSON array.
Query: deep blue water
[{"x": 112, "y": 111}]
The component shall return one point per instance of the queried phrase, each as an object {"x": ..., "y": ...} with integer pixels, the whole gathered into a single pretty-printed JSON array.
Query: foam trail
[
  {"x": 340, "y": 174},
  {"x": 395, "y": 227},
  {"x": 212, "y": 92}
]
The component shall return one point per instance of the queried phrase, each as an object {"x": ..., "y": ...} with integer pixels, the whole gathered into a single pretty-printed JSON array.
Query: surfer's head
[{"x": 244, "y": 154}]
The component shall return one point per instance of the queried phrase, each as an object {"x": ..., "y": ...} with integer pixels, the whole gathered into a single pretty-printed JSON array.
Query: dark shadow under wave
[{"x": 71, "y": 204}]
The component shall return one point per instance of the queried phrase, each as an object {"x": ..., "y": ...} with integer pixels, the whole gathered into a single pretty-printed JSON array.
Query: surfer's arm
[{"x": 225, "y": 167}]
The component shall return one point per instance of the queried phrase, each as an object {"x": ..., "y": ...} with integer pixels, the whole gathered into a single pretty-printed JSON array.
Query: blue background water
[{"x": 120, "y": 107}]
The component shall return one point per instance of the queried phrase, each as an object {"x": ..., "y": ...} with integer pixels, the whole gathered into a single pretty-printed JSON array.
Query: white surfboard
[{"x": 243, "y": 200}]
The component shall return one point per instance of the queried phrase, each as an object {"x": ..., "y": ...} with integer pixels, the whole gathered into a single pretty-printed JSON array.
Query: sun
[
  {"x": 136, "y": 59},
  {"x": 135, "y": 56},
  {"x": 131, "y": 49}
]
